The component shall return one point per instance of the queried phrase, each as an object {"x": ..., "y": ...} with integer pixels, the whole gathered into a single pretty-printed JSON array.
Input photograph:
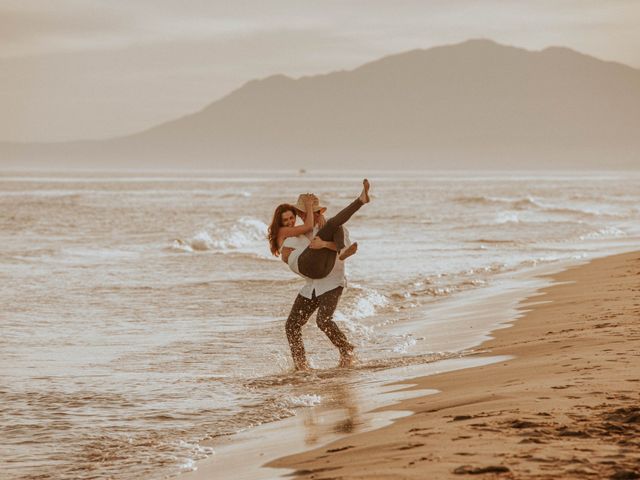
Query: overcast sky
[{"x": 75, "y": 69}]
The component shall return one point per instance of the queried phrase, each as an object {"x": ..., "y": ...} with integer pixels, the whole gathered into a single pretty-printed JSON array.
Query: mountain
[{"x": 476, "y": 104}]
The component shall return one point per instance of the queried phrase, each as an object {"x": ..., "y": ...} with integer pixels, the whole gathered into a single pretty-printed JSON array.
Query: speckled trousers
[{"x": 302, "y": 309}]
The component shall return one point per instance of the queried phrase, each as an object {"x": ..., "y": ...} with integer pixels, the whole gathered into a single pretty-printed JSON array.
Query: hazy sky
[{"x": 73, "y": 69}]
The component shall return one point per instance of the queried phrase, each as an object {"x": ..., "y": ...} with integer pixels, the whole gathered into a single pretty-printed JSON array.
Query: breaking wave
[
  {"x": 608, "y": 232},
  {"x": 246, "y": 235},
  {"x": 516, "y": 204},
  {"x": 305, "y": 400},
  {"x": 366, "y": 303},
  {"x": 530, "y": 204}
]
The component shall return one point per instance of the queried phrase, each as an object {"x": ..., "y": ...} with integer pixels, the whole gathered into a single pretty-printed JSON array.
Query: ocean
[{"x": 143, "y": 314}]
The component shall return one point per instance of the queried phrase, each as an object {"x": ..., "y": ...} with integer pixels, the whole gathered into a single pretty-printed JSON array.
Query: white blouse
[{"x": 336, "y": 277}]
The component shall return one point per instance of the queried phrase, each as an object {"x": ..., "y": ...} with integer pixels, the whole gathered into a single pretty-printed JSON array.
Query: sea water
[{"x": 143, "y": 312}]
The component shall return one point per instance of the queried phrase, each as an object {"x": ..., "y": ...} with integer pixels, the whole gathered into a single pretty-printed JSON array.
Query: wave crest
[
  {"x": 367, "y": 302},
  {"x": 608, "y": 232},
  {"x": 246, "y": 235},
  {"x": 529, "y": 203},
  {"x": 523, "y": 203}
]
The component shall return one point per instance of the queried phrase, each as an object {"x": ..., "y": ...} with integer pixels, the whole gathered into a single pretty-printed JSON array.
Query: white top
[
  {"x": 336, "y": 277},
  {"x": 298, "y": 244}
]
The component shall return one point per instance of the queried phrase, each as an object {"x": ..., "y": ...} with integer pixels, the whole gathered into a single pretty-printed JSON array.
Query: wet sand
[{"x": 567, "y": 405}]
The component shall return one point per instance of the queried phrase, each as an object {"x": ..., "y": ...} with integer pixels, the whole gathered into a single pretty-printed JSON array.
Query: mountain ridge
[{"x": 475, "y": 99}]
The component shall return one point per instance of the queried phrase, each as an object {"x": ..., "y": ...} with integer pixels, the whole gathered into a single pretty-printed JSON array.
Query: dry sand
[{"x": 566, "y": 406}]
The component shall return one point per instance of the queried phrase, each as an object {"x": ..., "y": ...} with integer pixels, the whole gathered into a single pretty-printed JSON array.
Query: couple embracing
[{"x": 316, "y": 251}]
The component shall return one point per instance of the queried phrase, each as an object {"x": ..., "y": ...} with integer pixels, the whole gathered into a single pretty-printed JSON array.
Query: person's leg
[
  {"x": 318, "y": 263},
  {"x": 330, "y": 228},
  {"x": 328, "y": 303},
  {"x": 338, "y": 238},
  {"x": 300, "y": 312},
  {"x": 341, "y": 244}
]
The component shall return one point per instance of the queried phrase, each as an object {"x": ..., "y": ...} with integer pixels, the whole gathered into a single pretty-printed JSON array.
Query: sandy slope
[{"x": 566, "y": 406}]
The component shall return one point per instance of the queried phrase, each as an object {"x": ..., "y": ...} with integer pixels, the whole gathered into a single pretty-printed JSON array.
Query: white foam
[
  {"x": 367, "y": 304},
  {"x": 188, "y": 465},
  {"x": 196, "y": 452},
  {"x": 507, "y": 217},
  {"x": 407, "y": 342},
  {"x": 608, "y": 232},
  {"x": 354, "y": 327},
  {"x": 180, "y": 245},
  {"x": 305, "y": 400},
  {"x": 202, "y": 241},
  {"x": 246, "y": 235}
]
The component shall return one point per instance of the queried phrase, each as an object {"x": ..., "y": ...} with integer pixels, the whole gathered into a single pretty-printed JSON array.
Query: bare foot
[
  {"x": 364, "y": 196},
  {"x": 350, "y": 250},
  {"x": 347, "y": 359}
]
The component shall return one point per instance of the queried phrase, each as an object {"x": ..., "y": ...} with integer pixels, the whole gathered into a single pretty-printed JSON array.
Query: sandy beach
[
  {"x": 161, "y": 319},
  {"x": 565, "y": 406}
]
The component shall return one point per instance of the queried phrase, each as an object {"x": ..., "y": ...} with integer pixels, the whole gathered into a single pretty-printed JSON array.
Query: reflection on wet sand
[{"x": 338, "y": 414}]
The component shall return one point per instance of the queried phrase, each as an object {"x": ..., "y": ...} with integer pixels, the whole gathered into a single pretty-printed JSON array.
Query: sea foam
[{"x": 246, "y": 235}]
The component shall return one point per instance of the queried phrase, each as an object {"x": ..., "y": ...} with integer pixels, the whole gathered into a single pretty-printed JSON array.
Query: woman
[{"x": 316, "y": 260}]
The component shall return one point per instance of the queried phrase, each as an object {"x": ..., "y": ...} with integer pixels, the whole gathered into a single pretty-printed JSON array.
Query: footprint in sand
[
  {"x": 340, "y": 449},
  {"x": 532, "y": 440},
  {"x": 469, "y": 470},
  {"x": 410, "y": 446},
  {"x": 522, "y": 424},
  {"x": 459, "y": 418},
  {"x": 418, "y": 430}
]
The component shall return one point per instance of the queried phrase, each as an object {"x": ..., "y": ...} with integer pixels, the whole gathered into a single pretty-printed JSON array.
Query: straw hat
[{"x": 316, "y": 203}]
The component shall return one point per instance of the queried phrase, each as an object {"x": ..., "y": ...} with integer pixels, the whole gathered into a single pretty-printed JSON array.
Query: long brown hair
[{"x": 276, "y": 223}]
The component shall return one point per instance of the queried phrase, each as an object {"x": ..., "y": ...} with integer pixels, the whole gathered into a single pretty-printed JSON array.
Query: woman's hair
[{"x": 276, "y": 223}]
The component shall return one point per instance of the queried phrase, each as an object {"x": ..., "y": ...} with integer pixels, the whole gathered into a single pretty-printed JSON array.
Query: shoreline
[
  {"x": 560, "y": 408},
  {"x": 257, "y": 451},
  {"x": 564, "y": 406},
  {"x": 367, "y": 403},
  {"x": 195, "y": 365}
]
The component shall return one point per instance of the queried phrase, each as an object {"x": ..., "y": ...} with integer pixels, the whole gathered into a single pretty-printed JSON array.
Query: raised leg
[
  {"x": 329, "y": 229},
  {"x": 318, "y": 263},
  {"x": 338, "y": 238}
]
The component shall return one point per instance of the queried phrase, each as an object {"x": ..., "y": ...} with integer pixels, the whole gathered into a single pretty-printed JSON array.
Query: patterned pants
[{"x": 302, "y": 309}]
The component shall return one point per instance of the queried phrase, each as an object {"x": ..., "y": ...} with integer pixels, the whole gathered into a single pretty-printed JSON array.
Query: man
[{"x": 323, "y": 295}]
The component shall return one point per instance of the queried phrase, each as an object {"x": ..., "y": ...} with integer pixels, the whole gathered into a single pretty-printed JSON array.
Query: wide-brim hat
[{"x": 316, "y": 204}]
